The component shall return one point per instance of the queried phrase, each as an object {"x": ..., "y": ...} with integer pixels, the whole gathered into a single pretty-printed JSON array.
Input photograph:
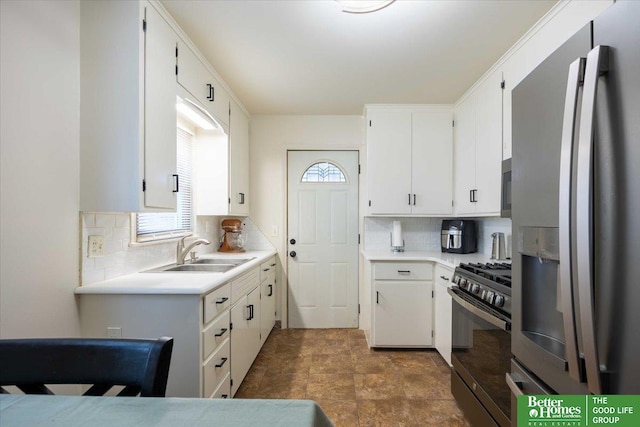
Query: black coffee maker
[{"x": 459, "y": 236}]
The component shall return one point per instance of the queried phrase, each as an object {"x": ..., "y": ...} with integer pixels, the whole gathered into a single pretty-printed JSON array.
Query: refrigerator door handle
[
  {"x": 597, "y": 64},
  {"x": 575, "y": 80}
]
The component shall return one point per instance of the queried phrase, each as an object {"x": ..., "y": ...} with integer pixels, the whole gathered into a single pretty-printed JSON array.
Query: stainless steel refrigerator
[{"x": 576, "y": 214}]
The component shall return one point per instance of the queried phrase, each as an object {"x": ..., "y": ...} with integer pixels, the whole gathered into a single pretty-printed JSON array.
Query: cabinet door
[
  {"x": 402, "y": 313},
  {"x": 238, "y": 161},
  {"x": 489, "y": 145},
  {"x": 389, "y": 162},
  {"x": 464, "y": 133},
  {"x": 267, "y": 305},
  {"x": 254, "y": 324},
  {"x": 442, "y": 313},
  {"x": 194, "y": 76},
  {"x": 159, "y": 112},
  {"x": 241, "y": 343},
  {"x": 432, "y": 163}
]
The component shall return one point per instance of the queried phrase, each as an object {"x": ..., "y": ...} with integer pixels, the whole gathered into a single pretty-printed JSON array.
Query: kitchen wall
[
  {"x": 423, "y": 234},
  {"x": 121, "y": 257},
  {"x": 39, "y": 116},
  {"x": 271, "y": 137}
]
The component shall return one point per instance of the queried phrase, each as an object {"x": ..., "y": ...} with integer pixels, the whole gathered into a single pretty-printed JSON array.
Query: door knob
[
  {"x": 292, "y": 254},
  {"x": 292, "y": 241}
]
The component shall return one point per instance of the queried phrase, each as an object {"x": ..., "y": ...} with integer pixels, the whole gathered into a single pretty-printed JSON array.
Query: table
[{"x": 83, "y": 411}]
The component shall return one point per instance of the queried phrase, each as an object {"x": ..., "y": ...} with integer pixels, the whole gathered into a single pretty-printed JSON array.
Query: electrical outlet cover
[{"x": 96, "y": 246}]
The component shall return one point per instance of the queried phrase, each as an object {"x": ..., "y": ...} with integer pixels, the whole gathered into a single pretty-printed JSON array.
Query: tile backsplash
[
  {"x": 423, "y": 234},
  {"x": 121, "y": 257}
]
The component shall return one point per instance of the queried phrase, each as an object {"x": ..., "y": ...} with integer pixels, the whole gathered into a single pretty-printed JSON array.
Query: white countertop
[
  {"x": 446, "y": 259},
  {"x": 176, "y": 282}
]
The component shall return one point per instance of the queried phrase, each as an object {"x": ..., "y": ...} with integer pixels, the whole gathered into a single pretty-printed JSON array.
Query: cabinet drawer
[
  {"x": 403, "y": 271},
  {"x": 215, "y": 369},
  {"x": 224, "y": 389},
  {"x": 267, "y": 267},
  {"x": 216, "y": 302},
  {"x": 443, "y": 275},
  {"x": 243, "y": 285},
  {"x": 215, "y": 334}
]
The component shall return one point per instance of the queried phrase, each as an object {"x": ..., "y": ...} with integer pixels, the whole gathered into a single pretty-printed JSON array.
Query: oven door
[{"x": 481, "y": 357}]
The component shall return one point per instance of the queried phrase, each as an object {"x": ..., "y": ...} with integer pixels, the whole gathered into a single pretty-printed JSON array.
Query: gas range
[{"x": 489, "y": 283}]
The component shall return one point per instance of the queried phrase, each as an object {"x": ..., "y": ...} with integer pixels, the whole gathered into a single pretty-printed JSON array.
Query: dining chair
[{"x": 140, "y": 365}]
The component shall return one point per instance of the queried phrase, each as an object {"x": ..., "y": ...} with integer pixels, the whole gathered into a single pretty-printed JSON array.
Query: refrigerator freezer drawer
[{"x": 524, "y": 383}]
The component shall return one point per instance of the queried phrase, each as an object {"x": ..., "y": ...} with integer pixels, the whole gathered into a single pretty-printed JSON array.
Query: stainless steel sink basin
[
  {"x": 205, "y": 265},
  {"x": 224, "y": 261},
  {"x": 208, "y": 268}
]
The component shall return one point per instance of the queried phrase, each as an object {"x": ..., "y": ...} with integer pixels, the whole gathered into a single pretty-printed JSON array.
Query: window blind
[{"x": 156, "y": 226}]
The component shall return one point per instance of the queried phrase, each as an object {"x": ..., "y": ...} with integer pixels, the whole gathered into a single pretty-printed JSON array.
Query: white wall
[
  {"x": 271, "y": 137},
  {"x": 40, "y": 86}
]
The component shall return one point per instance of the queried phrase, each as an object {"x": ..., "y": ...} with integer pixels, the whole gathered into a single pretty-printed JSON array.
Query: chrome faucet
[{"x": 181, "y": 251}]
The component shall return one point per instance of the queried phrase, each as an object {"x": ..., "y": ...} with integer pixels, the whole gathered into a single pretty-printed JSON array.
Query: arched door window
[{"x": 323, "y": 172}]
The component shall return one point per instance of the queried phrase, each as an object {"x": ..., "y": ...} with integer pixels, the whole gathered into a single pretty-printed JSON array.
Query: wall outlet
[
  {"x": 114, "y": 332},
  {"x": 274, "y": 231},
  {"x": 96, "y": 246}
]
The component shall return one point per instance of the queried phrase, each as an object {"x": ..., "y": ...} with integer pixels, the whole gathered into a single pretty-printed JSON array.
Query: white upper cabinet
[
  {"x": 127, "y": 108},
  {"x": 478, "y": 150},
  {"x": 409, "y": 161},
  {"x": 238, "y": 162},
  {"x": 196, "y": 78}
]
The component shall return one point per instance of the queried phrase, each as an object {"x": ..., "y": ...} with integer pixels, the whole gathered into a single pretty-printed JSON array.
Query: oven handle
[{"x": 499, "y": 323}]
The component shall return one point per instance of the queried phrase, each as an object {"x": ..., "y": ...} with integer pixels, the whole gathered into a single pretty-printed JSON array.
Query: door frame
[{"x": 284, "y": 291}]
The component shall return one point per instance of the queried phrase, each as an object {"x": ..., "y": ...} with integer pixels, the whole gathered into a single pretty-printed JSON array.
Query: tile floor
[{"x": 356, "y": 386}]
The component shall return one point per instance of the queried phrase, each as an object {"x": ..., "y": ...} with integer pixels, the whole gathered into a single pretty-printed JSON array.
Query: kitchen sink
[
  {"x": 205, "y": 265},
  {"x": 227, "y": 261},
  {"x": 207, "y": 268}
]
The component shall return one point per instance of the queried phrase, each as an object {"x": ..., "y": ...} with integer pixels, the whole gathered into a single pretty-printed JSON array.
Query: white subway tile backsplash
[
  {"x": 121, "y": 258},
  {"x": 423, "y": 234}
]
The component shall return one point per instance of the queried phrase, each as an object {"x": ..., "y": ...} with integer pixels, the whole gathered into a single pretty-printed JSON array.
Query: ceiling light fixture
[{"x": 363, "y": 6}]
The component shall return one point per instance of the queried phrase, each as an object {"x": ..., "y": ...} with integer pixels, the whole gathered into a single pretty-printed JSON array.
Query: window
[
  {"x": 157, "y": 226},
  {"x": 323, "y": 172}
]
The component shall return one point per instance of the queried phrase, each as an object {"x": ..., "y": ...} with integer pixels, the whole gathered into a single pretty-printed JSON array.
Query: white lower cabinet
[
  {"x": 267, "y": 298},
  {"x": 245, "y": 330},
  {"x": 217, "y": 336},
  {"x": 402, "y": 304},
  {"x": 442, "y": 312}
]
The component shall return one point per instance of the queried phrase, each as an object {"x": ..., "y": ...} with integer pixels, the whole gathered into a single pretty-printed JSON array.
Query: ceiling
[{"x": 309, "y": 57}]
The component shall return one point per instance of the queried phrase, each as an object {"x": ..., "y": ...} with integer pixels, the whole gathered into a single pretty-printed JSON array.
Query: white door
[{"x": 323, "y": 239}]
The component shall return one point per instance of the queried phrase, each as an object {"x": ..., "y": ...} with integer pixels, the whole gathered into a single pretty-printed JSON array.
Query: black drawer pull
[
  {"x": 222, "y": 362},
  {"x": 222, "y": 300},
  {"x": 404, "y": 271},
  {"x": 224, "y": 396},
  {"x": 270, "y": 290},
  {"x": 266, "y": 269},
  {"x": 222, "y": 332},
  {"x": 273, "y": 265}
]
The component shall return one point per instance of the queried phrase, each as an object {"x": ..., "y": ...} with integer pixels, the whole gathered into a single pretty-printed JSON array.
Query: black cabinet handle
[
  {"x": 211, "y": 96},
  {"x": 176, "y": 187},
  {"x": 250, "y": 307},
  {"x": 404, "y": 271},
  {"x": 222, "y": 300},
  {"x": 444, "y": 278},
  {"x": 292, "y": 241},
  {"x": 224, "y": 396},
  {"x": 292, "y": 254},
  {"x": 273, "y": 265},
  {"x": 377, "y": 297},
  {"x": 222, "y": 362},
  {"x": 471, "y": 196},
  {"x": 242, "y": 198},
  {"x": 221, "y": 333},
  {"x": 266, "y": 269},
  {"x": 414, "y": 200},
  {"x": 409, "y": 198},
  {"x": 270, "y": 290}
]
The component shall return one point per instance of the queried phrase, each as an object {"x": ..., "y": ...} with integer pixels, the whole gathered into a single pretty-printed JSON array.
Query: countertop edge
[
  {"x": 445, "y": 259},
  {"x": 168, "y": 283}
]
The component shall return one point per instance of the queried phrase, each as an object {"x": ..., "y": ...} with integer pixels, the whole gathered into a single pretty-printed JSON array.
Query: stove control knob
[
  {"x": 490, "y": 295},
  {"x": 475, "y": 289},
  {"x": 499, "y": 301},
  {"x": 463, "y": 283},
  {"x": 456, "y": 279},
  {"x": 482, "y": 294}
]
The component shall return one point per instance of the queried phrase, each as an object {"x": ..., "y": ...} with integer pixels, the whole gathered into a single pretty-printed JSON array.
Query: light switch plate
[{"x": 96, "y": 246}]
